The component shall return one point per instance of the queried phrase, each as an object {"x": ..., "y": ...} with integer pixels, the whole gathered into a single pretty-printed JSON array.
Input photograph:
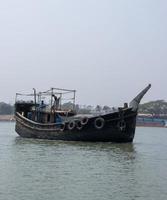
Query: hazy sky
[{"x": 108, "y": 50}]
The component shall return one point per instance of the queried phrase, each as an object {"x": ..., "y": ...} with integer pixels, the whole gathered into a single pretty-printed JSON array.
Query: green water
[{"x": 45, "y": 170}]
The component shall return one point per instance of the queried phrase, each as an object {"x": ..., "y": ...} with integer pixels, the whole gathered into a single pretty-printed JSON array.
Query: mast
[
  {"x": 51, "y": 102},
  {"x": 74, "y": 99},
  {"x": 35, "y": 102}
]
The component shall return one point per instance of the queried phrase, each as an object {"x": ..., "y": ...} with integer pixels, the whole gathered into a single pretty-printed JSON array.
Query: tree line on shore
[
  {"x": 153, "y": 107},
  {"x": 157, "y": 107},
  {"x": 6, "y": 109}
]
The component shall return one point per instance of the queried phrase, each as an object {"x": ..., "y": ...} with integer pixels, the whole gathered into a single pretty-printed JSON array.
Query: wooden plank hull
[{"x": 115, "y": 128}]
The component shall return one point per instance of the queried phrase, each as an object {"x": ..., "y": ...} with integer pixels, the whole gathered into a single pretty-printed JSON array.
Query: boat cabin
[{"x": 51, "y": 106}]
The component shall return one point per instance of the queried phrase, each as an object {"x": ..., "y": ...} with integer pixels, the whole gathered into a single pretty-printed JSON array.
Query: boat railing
[{"x": 37, "y": 124}]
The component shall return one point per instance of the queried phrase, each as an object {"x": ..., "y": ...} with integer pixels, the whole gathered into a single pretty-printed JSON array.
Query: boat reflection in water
[{"x": 114, "y": 151}]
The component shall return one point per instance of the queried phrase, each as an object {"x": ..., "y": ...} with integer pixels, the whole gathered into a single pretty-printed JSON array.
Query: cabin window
[
  {"x": 48, "y": 118},
  {"x": 29, "y": 115}
]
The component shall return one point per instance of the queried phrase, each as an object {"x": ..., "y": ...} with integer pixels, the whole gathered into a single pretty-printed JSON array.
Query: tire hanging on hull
[
  {"x": 99, "y": 123},
  {"x": 71, "y": 125}
]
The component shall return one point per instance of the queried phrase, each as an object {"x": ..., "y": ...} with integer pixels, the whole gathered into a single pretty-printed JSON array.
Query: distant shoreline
[{"x": 7, "y": 118}]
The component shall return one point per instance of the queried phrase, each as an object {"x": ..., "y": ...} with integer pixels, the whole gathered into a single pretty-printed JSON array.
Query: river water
[{"x": 53, "y": 170}]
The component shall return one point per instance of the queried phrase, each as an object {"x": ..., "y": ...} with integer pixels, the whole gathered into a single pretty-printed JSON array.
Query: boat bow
[{"x": 134, "y": 104}]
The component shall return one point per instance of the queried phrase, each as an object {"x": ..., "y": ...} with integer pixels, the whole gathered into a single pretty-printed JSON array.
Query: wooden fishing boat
[{"x": 36, "y": 119}]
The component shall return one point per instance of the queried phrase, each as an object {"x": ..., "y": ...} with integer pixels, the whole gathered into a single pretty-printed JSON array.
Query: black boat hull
[{"x": 116, "y": 128}]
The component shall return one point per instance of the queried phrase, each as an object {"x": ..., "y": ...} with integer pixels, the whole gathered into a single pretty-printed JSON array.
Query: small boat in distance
[
  {"x": 37, "y": 119},
  {"x": 149, "y": 120}
]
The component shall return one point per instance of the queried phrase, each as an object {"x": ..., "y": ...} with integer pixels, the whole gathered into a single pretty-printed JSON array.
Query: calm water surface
[{"x": 40, "y": 169}]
